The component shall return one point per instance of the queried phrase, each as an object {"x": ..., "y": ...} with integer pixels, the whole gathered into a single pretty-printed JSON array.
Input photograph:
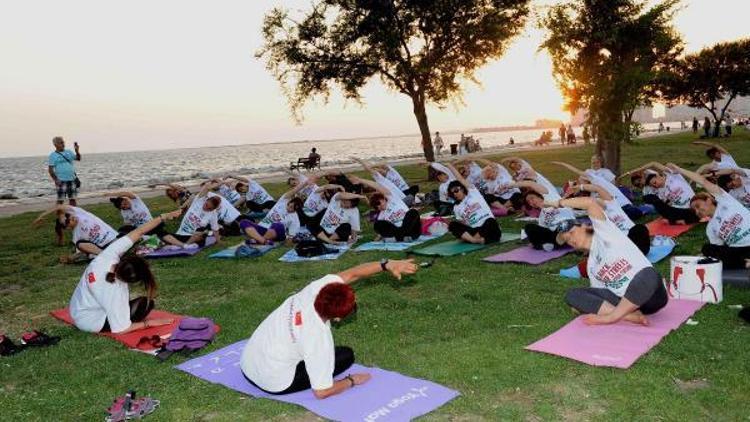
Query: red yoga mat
[
  {"x": 662, "y": 227},
  {"x": 132, "y": 338}
]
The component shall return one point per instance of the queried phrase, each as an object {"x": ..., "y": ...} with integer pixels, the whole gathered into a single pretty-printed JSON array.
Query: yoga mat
[
  {"x": 228, "y": 253},
  {"x": 617, "y": 345},
  {"x": 172, "y": 253},
  {"x": 394, "y": 246},
  {"x": 131, "y": 339},
  {"x": 528, "y": 255},
  {"x": 662, "y": 227},
  {"x": 738, "y": 278},
  {"x": 450, "y": 248},
  {"x": 291, "y": 255},
  {"x": 655, "y": 254},
  {"x": 387, "y": 396}
]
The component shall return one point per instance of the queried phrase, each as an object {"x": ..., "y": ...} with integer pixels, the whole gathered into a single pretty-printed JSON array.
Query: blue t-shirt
[{"x": 64, "y": 169}]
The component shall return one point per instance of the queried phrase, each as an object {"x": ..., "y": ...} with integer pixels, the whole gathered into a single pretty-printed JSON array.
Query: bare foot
[
  {"x": 637, "y": 318},
  {"x": 593, "y": 319}
]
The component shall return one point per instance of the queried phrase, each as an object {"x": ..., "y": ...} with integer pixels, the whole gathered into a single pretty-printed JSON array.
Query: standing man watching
[
  {"x": 438, "y": 144},
  {"x": 63, "y": 173}
]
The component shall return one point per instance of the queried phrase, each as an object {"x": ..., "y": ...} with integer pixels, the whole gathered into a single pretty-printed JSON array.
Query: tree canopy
[
  {"x": 420, "y": 48},
  {"x": 606, "y": 56}
]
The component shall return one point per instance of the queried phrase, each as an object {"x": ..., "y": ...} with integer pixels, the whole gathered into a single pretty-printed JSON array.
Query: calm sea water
[{"x": 26, "y": 177}]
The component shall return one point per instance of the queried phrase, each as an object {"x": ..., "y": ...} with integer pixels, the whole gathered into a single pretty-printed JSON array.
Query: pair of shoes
[
  {"x": 29, "y": 339},
  {"x": 128, "y": 407},
  {"x": 7, "y": 347}
]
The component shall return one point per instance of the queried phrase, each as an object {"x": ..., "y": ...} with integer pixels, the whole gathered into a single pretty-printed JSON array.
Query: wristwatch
[{"x": 383, "y": 263}]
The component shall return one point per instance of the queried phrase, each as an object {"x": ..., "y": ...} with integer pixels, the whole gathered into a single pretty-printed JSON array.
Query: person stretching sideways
[
  {"x": 101, "y": 301},
  {"x": 624, "y": 284},
  {"x": 720, "y": 157},
  {"x": 280, "y": 223},
  {"x": 90, "y": 233},
  {"x": 394, "y": 219},
  {"x": 672, "y": 194},
  {"x": 135, "y": 213},
  {"x": 293, "y": 350},
  {"x": 474, "y": 221},
  {"x": 737, "y": 183}
]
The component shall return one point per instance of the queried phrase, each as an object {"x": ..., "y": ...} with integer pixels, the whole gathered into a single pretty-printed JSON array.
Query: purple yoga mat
[
  {"x": 618, "y": 345},
  {"x": 167, "y": 253},
  {"x": 528, "y": 255},
  {"x": 388, "y": 396}
]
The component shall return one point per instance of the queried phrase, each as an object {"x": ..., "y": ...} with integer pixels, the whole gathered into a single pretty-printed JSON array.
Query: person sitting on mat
[
  {"x": 472, "y": 172},
  {"x": 720, "y": 157},
  {"x": 737, "y": 183},
  {"x": 385, "y": 171},
  {"x": 598, "y": 169},
  {"x": 101, "y": 301},
  {"x": 615, "y": 193},
  {"x": 340, "y": 223},
  {"x": 474, "y": 221},
  {"x": 444, "y": 203},
  {"x": 90, "y": 233},
  {"x": 202, "y": 214},
  {"x": 257, "y": 199},
  {"x": 296, "y": 179},
  {"x": 177, "y": 193},
  {"x": 316, "y": 204},
  {"x": 495, "y": 179},
  {"x": 523, "y": 171},
  {"x": 379, "y": 177},
  {"x": 280, "y": 223},
  {"x": 624, "y": 284},
  {"x": 394, "y": 219},
  {"x": 293, "y": 350},
  {"x": 542, "y": 234},
  {"x": 228, "y": 215},
  {"x": 228, "y": 190},
  {"x": 135, "y": 213},
  {"x": 728, "y": 229},
  {"x": 672, "y": 194},
  {"x": 337, "y": 177}
]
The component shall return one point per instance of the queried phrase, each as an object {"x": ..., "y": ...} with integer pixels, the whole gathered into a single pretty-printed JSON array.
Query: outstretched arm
[
  {"x": 458, "y": 176},
  {"x": 593, "y": 209},
  {"x": 348, "y": 196},
  {"x": 58, "y": 208},
  {"x": 136, "y": 234},
  {"x": 697, "y": 178},
  {"x": 329, "y": 187},
  {"x": 711, "y": 145},
  {"x": 590, "y": 187},
  {"x": 396, "y": 267},
  {"x": 570, "y": 167},
  {"x": 290, "y": 194},
  {"x": 123, "y": 194},
  {"x": 367, "y": 166},
  {"x": 374, "y": 185},
  {"x": 536, "y": 187}
]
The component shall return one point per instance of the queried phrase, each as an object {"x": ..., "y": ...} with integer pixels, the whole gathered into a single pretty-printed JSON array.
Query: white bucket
[{"x": 691, "y": 280}]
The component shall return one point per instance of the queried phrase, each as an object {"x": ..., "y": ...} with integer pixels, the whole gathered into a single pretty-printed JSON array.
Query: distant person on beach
[
  {"x": 314, "y": 158},
  {"x": 695, "y": 124},
  {"x": 62, "y": 170},
  {"x": 511, "y": 141},
  {"x": 563, "y": 133},
  {"x": 728, "y": 125},
  {"x": 661, "y": 127},
  {"x": 438, "y": 144},
  {"x": 571, "y": 135},
  {"x": 706, "y": 127}
]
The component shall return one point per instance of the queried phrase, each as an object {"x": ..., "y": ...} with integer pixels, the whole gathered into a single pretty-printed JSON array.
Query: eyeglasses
[{"x": 455, "y": 190}]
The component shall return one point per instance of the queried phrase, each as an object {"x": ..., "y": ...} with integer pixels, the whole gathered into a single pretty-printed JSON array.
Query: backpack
[
  {"x": 190, "y": 335},
  {"x": 309, "y": 248}
]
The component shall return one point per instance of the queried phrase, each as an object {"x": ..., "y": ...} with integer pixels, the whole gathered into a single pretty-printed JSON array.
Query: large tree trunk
[
  {"x": 610, "y": 140},
  {"x": 424, "y": 128}
]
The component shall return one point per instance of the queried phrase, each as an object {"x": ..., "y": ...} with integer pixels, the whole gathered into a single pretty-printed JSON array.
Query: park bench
[{"x": 304, "y": 163}]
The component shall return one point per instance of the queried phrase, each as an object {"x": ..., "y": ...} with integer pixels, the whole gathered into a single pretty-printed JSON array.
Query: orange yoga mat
[
  {"x": 132, "y": 338},
  {"x": 662, "y": 227}
]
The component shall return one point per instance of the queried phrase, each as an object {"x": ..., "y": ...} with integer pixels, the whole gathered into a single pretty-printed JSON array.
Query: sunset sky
[{"x": 161, "y": 74}]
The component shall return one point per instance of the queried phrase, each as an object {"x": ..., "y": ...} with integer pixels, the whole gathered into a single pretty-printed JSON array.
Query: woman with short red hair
[{"x": 292, "y": 349}]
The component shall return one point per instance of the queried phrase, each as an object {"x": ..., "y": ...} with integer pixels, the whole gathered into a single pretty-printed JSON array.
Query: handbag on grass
[{"x": 190, "y": 335}]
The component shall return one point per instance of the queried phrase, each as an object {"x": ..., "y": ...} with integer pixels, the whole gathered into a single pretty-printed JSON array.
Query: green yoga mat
[{"x": 457, "y": 247}]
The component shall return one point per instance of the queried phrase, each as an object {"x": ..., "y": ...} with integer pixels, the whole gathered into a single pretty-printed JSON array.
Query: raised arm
[
  {"x": 290, "y": 194},
  {"x": 536, "y": 187},
  {"x": 330, "y": 186},
  {"x": 396, "y": 267},
  {"x": 136, "y": 234},
  {"x": 592, "y": 208},
  {"x": 58, "y": 208},
  {"x": 349, "y": 196},
  {"x": 711, "y": 145},
  {"x": 590, "y": 187},
  {"x": 724, "y": 172},
  {"x": 123, "y": 194},
  {"x": 458, "y": 176},
  {"x": 372, "y": 184},
  {"x": 697, "y": 178},
  {"x": 237, "y": 178},
  {"x": 570, "y": 167},
  {"x": 367, "y": 166},
  {"x": 655, "y": 165}
]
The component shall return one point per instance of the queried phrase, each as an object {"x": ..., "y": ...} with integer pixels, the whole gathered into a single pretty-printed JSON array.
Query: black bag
[
  {"x": 76, "y": 181},
  {"x": 309, "y": 248}
]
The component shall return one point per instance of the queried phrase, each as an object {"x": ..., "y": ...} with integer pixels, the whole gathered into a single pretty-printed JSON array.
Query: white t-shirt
[
  {"x": 138, "y": 214},
  {"x": 552, "y": 217},
  {"x": 292, "y": 333},
  {"x": 604, "y": 173},
  {"x": 613, "y": 191},
  {"x": 392, "y": 188},
  {"x": 613, "y": 259},
  {"x": 229, "y": 193},
  {"x": 676, "y": 191},
  {"x": 314, "y": 204},
  {"x": 473, "y": 210},
  {"x": 495, "y": 186},
  {"x": 742, "y": 194},
  {"x": 196, "y": 217},
  {"x": 395, "y": 177},
  {"x": 395, "y": 211},
  {"x": 307, "y": 190},
  {"x": 337, "y": 215},
  {"x": 475, "y": 176},
  {"x": 525, "y": 173},
  {"x": 279, "y": 214},
  {"x": 256, "y": 193},
  {"x": 726, "y": 162},
  {"x": 96, "y": 300},
  {"x": 443, "y": 188},
  {"x": 91, "y": 228},
  {"x": 226, "y": 213},
  {"x": 730, "y": 224},
  {"x": 616, "y": 215}
]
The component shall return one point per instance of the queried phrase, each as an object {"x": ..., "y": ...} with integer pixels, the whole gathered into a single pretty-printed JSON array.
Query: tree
[
  {"x": 705, "y": 78},
  {"x": 606, "y": 55},
  {"x": 420, "y": 48}
]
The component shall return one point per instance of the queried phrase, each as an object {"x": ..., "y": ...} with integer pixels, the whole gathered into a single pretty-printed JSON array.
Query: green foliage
[
  {"x": 419, "y": 48},
  {"x": 713, "y": 74},
  {"x": 606, "y": 55}
]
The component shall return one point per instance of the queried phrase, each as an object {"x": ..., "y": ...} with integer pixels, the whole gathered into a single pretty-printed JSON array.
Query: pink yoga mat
[
  {"x": 618, "y": 345},
  {"x": 528, "y": 255}
]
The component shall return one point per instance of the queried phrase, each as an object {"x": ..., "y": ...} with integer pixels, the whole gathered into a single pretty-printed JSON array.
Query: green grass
[{"x": 452, "y": 323}]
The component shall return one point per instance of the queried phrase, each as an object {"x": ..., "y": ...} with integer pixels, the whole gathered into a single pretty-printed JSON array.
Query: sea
[{"x": 27, "y": 177}]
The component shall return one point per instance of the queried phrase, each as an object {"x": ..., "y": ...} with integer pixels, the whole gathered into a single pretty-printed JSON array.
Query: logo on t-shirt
[
  {"x": 92, "y": 278},
  {"x": 614, "y": 275},
  {"x": 298, "y": 318}
]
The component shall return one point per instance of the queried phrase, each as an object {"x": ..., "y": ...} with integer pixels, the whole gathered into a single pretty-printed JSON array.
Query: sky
[{"x": 138, "y": 75}]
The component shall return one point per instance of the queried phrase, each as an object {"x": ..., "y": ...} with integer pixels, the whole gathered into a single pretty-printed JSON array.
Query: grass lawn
[{"x": 455, "y": 323}]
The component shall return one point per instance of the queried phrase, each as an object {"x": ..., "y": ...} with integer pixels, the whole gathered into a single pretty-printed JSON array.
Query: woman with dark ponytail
[{"x": 101, "y": 301}]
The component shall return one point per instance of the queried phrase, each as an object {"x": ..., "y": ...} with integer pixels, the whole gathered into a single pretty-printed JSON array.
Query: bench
[{"x": 304, "y": 163}]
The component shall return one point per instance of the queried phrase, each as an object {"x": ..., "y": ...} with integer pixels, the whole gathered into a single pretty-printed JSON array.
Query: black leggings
[
  {"x": 255, "y": 207},
  {"x": 632, "y": 211},
  {"x": 443, "y": 208},
  {"x": 489, "y": 230},
  {"x": 231, "y": 229},
  {"x": 413, "y": 190},
  {"x": 140, "y": 307},
  {"x": 343, "y": 231},
  {"x": 312, "y": 223},
  {"x": 646, "y": 291},
  {"x": 160, "y": 231},
  {"x": 731, "y": 258},
  {"x": 539, "y": 236},
  {"x": 639, "y": 235},
  {"x": 669, "y": 212},
  {"x": 411, "y": 226},
  {"x": 344, "y": 359}
]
